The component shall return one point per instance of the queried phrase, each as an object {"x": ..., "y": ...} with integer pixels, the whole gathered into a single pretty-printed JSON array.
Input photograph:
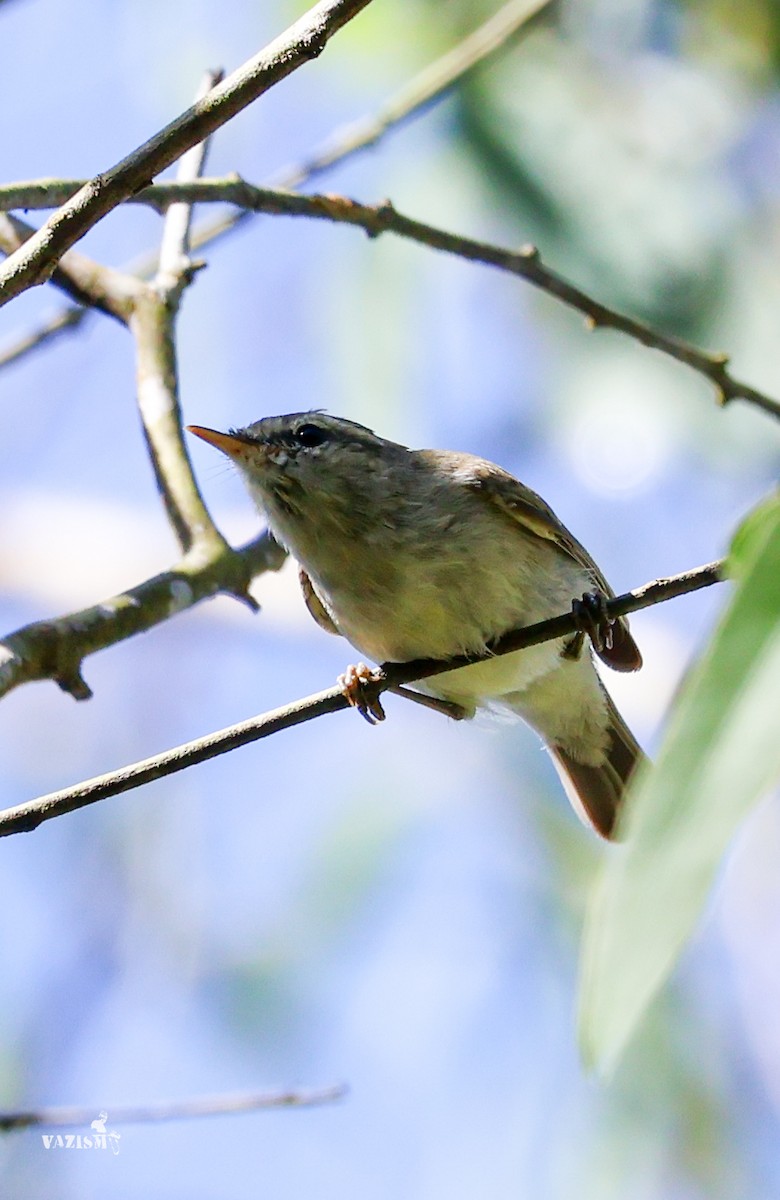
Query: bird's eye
[{"x": 310, "y": 435}]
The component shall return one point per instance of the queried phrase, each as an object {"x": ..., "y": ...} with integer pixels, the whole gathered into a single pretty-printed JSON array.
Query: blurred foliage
[
  {"x": 605, "y": 131},
  {"x": 720, "y": 756},
  {"x": 742, "y": 37}
]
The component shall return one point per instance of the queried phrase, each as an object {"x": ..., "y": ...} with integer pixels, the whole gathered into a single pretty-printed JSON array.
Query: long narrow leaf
[{"x": 720, "y": 756}]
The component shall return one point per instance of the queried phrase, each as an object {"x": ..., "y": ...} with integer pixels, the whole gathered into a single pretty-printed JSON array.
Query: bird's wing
[
  {"x": 315, "y": 605},
  {"x": 536, "y": 517}
]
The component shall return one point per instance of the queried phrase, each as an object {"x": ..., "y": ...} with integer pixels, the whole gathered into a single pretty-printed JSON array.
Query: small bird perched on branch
[{"x": 431, "y": 553}]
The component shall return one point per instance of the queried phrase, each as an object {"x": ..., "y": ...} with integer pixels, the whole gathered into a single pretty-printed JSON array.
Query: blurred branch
[
  {"x": 423, "y": 90},
  {"x": 174, "y": 1110},
  {"x": 34, "y": 262},
  {"x": 65, "y": 320},
  {"x": 55, "y": 649},
  {"x": 28, "y": 816}
]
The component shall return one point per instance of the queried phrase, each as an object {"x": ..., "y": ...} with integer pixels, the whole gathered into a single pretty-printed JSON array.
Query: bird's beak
[{"x": 234, "y": 447}]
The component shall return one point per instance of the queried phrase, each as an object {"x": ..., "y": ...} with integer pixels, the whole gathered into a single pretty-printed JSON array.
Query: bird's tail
[{"x": 596, "y": 791}]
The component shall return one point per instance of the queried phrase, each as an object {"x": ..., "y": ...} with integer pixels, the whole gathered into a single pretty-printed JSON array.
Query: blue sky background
[{"x": 397, "y": 908}]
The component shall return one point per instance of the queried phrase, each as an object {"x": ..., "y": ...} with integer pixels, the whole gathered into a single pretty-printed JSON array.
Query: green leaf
[
  {"x": 752, "y": 533},
  {"x": 720, "y": 756}
]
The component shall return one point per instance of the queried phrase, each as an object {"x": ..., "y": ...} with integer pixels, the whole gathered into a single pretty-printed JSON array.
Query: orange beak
[{"x": 232, "y": 446}]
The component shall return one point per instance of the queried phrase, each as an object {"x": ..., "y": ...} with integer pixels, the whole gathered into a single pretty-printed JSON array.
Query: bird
[{"x": 433, "y": 553}]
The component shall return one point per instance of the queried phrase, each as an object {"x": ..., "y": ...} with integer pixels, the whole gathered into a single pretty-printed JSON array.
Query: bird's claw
[
  {"x": 358, "y": 686},
  {"x": 593, "y": 619}
]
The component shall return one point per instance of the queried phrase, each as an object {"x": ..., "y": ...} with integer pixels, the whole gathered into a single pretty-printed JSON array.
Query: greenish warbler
[{"x": 430, "y": 553}]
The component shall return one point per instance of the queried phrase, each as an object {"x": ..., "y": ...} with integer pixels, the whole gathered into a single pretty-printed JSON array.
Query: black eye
[{"x": 310, "y": 435}]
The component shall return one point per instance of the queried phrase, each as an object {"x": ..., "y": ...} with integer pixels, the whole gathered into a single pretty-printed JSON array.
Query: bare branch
[
  {"x": 228, "y": 1104},
  {"x": 526, "y": 263},
  {"x": 152, "y": 324},
  {"x": 149, "y": 313},
  {"x": 64, "y": 321},
  {"x": 174, "y": 266},
  {"x": 28, "y": 816},
  {"x": 158, "y": 402},
  {"x": 427, "y": 87},
  {"x": 418, "y": 95},
  {"x": 34, "y": 262},
  {"x": 40, "y": 194},
  {"x": 56, "y": 649}
]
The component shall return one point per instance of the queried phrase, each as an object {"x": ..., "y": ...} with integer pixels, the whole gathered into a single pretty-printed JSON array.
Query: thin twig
[
  {"x": 526, "y": 263},
  {"x": 228, "y": 1104},
  {"x": 158, "y": 402},
  {"x": 34, "y": 262},
  {"x": 409, "y": 101},
  {"x": 29, "y": 815},
  {"x": 64, "y": 320},
  {"x": 430, "y": 85}
]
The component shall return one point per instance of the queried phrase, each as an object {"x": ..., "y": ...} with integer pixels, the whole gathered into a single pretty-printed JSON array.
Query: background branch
[
  {"x": 149, "y": 312},
  {"x": 306, "y": 39},
  {"x": 28, "y": 816},
  {"x": 430, "y": 85},
  {"x": 158, "y": 403},
  {"x": 526, "y": 263},
  {"x": 426, "y": 88},
  {"x": 172, "y": 1110},
  {"x": 65, "y": 320}
]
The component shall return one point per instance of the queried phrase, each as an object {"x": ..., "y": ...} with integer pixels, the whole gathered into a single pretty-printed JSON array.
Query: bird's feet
[
  {"x": 592, "y": 620},
  {"x": 357, "y": 684}
]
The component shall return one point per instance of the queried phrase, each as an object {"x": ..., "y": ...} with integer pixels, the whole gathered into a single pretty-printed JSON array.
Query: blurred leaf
[
  {"x": 606, "y": 167},
  {"x": 742, "y": 37},
  {"x": 720, "y": 755},
  {"x": 752, "y": 533}
]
